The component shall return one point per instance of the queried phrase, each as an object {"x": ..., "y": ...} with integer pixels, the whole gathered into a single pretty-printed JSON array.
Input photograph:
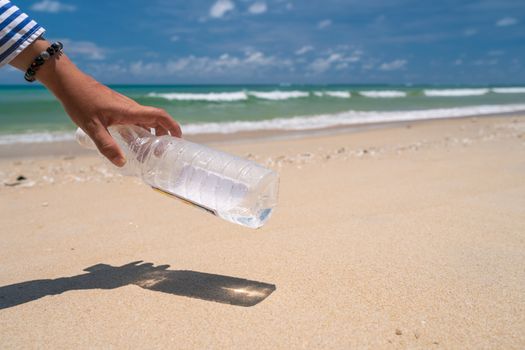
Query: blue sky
[{"x": 289, "y": 41}]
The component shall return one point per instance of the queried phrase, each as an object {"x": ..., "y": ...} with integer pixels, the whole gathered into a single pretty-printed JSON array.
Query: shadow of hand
[{"x": 217, "y": 288}]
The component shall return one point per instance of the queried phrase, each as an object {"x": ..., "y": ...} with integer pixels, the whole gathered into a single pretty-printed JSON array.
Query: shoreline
[
  {"x": 67, "y": 162},
  {"x": 71, "y": 148}
]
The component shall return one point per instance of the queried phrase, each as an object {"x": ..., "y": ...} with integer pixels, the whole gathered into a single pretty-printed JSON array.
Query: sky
[{"x": 288, "y": 41}]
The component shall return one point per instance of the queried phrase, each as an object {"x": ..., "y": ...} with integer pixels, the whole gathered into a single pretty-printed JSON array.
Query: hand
[{"x": 93, "y": 106}]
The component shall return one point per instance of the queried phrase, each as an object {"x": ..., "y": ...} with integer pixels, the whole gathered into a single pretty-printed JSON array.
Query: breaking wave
[
  {"x": 455, "y": 92},
  {"x": 278, "y": 95},
  {"x": 338, "y": 94},
  {"x": 509, "y": 90},
  {"x": 209, "y": 97},
  {"x": 346, "y": 118},
  {"x": 37, "y": 137},
  {"x": 383, "y": 94}
]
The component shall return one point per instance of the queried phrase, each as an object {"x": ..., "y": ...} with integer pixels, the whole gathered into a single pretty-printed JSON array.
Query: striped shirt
[{"x": 17, "y": 31}]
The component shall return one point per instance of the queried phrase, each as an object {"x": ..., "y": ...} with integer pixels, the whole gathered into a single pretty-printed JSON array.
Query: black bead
[
  {"x": 56, "y": 47},
  {"x": 29, "y": 77}
]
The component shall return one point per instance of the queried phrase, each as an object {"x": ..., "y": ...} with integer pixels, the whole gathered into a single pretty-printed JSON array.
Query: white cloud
[
  {"x": 259, "y": 59},
  {"x": 52, "y": 6},
  {"x": 258, "y": 8},
  {"x": 394, "y": 65},
  {"x": 339, "y": 60},
  {"x": 304, "y": 50},
  {"x": 324, "y": 23},
  {"x": 321, "y": 65},
  {"x": 103, "y": 69},
  {"x": 506, "y": 21},
  {"x": 84, "y": 49},
  {"x": 174, "y": 38},
  {"x": 226, "y": 64},
  {"x": 221, "y": 7}
]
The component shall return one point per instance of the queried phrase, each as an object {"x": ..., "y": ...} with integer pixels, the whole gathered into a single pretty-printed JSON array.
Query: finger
[
  {"x": 157, "y": 117},
  {"x": 167, "y": 122},
  {"x": 160, "y": 131},
  {"x": 154, "y": 127},
  {"x": 106, "y": 144},
  {"x": 127, "y": 135}
]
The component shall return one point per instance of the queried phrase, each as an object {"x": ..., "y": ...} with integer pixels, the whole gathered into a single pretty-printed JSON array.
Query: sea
[{"x": 30, "y": 114}]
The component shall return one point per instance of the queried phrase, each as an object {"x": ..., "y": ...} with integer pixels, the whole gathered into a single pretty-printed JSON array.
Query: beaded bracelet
[{"x": 55, "y": 48}]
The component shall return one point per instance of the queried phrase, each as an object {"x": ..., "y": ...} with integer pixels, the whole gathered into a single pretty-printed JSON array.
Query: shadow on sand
[{"x": 205, "y": 286}]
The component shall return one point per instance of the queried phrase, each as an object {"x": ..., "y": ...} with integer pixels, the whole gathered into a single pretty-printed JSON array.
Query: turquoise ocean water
[{"x": 31, "y": 114}]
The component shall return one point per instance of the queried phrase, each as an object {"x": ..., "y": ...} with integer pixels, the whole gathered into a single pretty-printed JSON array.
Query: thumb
[{"x": 107, "y": 145}]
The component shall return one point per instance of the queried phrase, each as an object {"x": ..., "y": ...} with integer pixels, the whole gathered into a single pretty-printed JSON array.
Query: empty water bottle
[{"x": 233, "y": 188}]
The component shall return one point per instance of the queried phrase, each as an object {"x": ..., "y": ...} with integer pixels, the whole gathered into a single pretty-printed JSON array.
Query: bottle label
[{"x": 185, "y": 201}]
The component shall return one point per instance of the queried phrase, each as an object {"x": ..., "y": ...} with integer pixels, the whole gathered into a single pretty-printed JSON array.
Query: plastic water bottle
[{"x": 233, "y": 188}]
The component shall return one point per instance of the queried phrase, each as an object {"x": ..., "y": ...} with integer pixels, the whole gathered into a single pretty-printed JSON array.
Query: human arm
[{"x": 91, "y": 105}]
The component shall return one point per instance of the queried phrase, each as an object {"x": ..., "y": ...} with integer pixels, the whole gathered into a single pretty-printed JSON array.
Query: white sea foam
[
  {"x": 209, "y": 97},
  {"x": 346, "y": 119},
  {"x": 38, "y": 137},
  {"x": 509, "y": 90},
  {"x": 278, "y": 95},
  {"x": 454, "y": 92},
  {"x": 383, "y": 93},
  {"x": 338, "y": 94},
  {"x": 300, "y": 122}
]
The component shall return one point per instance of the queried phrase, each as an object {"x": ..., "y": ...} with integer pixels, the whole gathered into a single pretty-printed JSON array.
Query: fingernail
[{"x": 120, "y": 161}]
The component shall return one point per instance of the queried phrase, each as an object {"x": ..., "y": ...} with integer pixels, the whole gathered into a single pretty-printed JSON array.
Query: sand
[{"x": 411, "y": 236}]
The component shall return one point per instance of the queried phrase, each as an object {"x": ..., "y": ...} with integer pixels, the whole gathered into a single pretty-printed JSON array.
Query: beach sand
[{"x": 411, "y": 236}]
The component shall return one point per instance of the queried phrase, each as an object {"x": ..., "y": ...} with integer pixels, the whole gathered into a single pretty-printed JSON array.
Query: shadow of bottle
[{"x": 192, "y": 284}]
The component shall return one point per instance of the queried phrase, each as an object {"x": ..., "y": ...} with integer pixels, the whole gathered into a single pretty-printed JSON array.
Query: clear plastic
[{"x": 233, "y": 188}]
